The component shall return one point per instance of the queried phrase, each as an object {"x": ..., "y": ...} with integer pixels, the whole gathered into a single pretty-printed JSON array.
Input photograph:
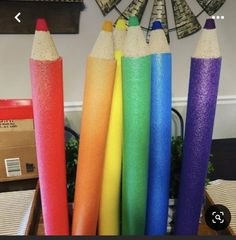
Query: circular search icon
[{"x": 218, "y": 217}]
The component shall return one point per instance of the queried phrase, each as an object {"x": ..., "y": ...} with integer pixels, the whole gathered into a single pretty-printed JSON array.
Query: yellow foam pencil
[{"x": 109, "y": 217}]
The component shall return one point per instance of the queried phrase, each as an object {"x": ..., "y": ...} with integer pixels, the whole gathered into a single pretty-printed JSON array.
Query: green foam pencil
[{"x": 136, "y": 74}]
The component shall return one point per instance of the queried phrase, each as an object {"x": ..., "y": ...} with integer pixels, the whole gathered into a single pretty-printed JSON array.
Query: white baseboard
[
  {"x": 224, "y": 126},
  {"x": 73, "y": 106},
  {"x": 221, "y": 100},
  {"x": 176, "y": 102}
]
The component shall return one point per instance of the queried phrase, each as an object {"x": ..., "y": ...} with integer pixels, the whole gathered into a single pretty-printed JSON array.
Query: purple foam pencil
[{"x": 202, "y": 98}]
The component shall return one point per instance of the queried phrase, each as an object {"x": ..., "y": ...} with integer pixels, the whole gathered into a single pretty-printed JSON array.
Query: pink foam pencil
[{"x": 47, "y": 96}]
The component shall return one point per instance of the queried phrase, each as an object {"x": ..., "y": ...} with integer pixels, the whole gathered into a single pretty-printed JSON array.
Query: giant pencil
[
  {"x": 202, "y": 97},
  {"x": 48, "y": 110},
  {"x": 136, "y": 77},
  {"x": 100, "y": 75},
  {"x": 160, "y": 133},
  {"x": 109, "y": 215}
]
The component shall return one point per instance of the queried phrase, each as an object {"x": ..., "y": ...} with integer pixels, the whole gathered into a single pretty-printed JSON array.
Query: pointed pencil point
[
  {"x": 121, "y": 24},
  {"x": 156, "y": 25},
  {"x": 133, "y": 21},
  {"x": 41, "y": 25},
  {"x": 107, "y": 26},
  {"x": 210, "y": 24}
]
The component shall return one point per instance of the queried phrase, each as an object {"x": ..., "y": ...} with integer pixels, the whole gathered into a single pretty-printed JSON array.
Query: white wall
[{"x": 15, "y": 52}]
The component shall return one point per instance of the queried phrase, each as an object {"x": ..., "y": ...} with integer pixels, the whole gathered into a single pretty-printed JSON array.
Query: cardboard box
[
  {"x": 17, "y": 146},
  {"x": 18, "y": 167},
  {"x": 17, "y": 163},
  {"x": 16, "y": 125},
  {"x": 17, "y": 150}
]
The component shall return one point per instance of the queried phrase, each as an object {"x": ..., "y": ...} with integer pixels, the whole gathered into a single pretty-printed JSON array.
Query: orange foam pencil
[{"x": 100, "y": 75}]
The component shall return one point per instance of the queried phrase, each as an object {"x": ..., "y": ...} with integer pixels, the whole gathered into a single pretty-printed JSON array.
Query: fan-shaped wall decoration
[
  {"x": 136, "y": 7},
  {"x": 186, "y": 23},
  {"x": 211, "y": 7},
  {"x": 107, "y": 5}
]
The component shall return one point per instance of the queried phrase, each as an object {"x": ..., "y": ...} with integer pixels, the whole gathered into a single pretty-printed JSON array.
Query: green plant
[
  {"x": 71, "y": 166},
  {"x": 210, "y": 170},
  {"x": 176, "y": 157}
]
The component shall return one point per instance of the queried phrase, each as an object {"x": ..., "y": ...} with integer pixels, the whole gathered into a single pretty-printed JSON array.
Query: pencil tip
[
  {"x": 210, "y": 24},
  {"x": 41, "y": 25},
  {"x": 107, "y": 26},
  {"x": 156, "y": 25},
  {"x": 121, "y": 24},
  {"x": 133, "y": 21}
]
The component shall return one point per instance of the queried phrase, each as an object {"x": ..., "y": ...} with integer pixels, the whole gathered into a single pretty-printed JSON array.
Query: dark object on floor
[{"x": 224, "y": 159}]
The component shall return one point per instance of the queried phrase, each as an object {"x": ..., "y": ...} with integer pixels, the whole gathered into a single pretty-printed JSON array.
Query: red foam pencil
[{"x": 48, "y": 110}]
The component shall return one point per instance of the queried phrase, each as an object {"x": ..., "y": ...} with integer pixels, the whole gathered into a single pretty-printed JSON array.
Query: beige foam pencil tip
[
  {"x": 208, "y": 46},
  {"x": 103, "y": 47},
  {"x": 107, "y": 26},
  {"x": 135, "y": 42},
  {"x": 121, "y": 24},
  {"x": 43, "y": 44},
  {"x": 158, "y": 42}
]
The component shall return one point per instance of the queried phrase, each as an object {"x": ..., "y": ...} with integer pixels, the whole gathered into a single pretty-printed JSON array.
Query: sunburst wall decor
[{"x": 186, "y": 23}]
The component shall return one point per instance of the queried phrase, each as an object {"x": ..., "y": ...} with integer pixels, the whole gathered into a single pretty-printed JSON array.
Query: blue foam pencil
[{"x": 160, "y": 133}]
